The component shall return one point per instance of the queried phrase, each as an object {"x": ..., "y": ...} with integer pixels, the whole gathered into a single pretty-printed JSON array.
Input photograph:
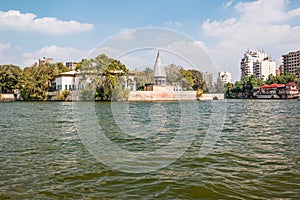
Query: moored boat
[{"x": 277, "y": 91}]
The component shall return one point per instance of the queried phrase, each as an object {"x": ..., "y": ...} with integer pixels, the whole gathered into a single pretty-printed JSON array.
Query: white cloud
[
  {"x": 125, "y": 34},
  {"x": 262, "y": 11},
  {"x": 195, "y": 55},
  {"x": 173, "y": 23},
  {"x": 13, "y": 19},
  {"x": 4, "y": 46},
  {"x": 294, "y": 13},
  {"x": 60, "y": 54},
  {"x": 228, "y": 4},
  {"x": 9, "y": 53},
  {"x": 260, "y": 24}
]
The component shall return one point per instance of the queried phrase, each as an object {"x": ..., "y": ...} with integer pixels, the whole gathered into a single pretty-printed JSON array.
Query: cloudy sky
[{"x": 69, "y": 29}]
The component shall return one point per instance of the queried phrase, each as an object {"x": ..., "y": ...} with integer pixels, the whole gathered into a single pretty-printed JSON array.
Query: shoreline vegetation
[{"x": 34, "y": 83}]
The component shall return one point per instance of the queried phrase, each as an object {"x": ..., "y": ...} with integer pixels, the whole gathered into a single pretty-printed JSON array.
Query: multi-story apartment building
[
  {"x": 208, "y": 78},
  {"x": 71, "y": 65},
  {"x": 291, "y": 61},
  {"x": 257, "y": 64},
  {"x": 224, "y": 77},
  {"x": 45, "y": 60},
  {"x": 265, "y": 68}
]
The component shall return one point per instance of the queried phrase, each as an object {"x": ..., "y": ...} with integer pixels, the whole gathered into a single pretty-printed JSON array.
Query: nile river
[{"x": 256, "y": 154}]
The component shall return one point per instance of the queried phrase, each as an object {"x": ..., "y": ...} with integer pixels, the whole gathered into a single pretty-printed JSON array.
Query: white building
[
  {"x": 68, "y": 81},
  {"x": 208, "y": 78},
  {"x": 257, "y": 64},
  {"x": 224, "y": 77},
  {"x": 265, "y": 68}
]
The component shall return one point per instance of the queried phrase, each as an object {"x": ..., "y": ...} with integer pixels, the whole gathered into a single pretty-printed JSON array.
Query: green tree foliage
[
  {"x": 229, "y": 90},
  {"x": 187, "y": 79},
  {"x": 249, "y": 83},
  {"x": 35, "y": 81},
  {"x": 119, "y": 94},
  {"x": 173, "y": 74},
  {"x": 144, "y": 77},
  {"x": 9, "y": 75},
  {"x": 245, "y": 87},
  {"x": 198, "y": 81},
  {"x": 104, "y": 76},
  {"x": 297, "y": 72},
  {"x": 63, "y": 96},
  {"x": 282, "y": 79},
  {"x": 88, "y": 93}
]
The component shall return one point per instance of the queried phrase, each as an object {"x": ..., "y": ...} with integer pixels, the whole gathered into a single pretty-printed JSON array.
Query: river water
[{"x": 254, "y": 155}]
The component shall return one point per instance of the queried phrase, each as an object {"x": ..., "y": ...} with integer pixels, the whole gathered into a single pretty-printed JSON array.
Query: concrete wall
[
  {"x": 7, "y": 97},
  {"x": 212, "y": 97},
  {"x": 170, "y": 96},
  {"x": 161, "y": 96}
]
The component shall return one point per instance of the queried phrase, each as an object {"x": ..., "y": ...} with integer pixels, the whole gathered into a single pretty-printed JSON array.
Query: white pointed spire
[{"x": 159, "y": 71}]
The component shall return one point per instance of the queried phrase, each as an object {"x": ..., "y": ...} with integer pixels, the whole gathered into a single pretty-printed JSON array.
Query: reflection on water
[{"x": 257, "y": 155}]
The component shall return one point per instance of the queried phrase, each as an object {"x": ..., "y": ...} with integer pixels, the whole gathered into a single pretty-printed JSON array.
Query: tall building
[
  {"x": 291, "y": 61},
  {"x": 280, "y": 70},
  {"x": 224, "y": 77},
  {"x": 208, "y": 78},
  {"x": 160, "y": 76},
  {"x": 265, "y": 68},
  {"x": 257, "y": 64},
  {"x": 249, "y": 61},
  {"x": 45, "y": 60},
  {"x": 71, "y": 65}
]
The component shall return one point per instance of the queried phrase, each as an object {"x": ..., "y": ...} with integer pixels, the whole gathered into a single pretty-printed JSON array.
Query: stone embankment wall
[
  {"x": 220, "y": 96},
  {"x": 171, "y": 96},
  {"x": 7, "y": 97}
]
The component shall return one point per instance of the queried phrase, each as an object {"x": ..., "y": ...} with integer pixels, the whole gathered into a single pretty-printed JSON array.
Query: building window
[{"x": 66, "y": 87}]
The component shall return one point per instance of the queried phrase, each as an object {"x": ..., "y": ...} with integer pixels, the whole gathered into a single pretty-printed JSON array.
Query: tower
[{"x": 159, "y": 72}]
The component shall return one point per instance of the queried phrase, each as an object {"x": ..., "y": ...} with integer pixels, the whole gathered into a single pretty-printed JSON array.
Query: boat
[{"x": 277, "y": 91}]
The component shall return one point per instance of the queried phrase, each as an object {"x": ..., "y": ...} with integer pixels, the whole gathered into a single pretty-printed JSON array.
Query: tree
[
  {"x": 173, "y": 74},
  {"x": 228, "y": 90},
  {"x": 105, "y": 74},
  {"x": 9, "y": 75},
  {"x": 186, "y": 80},
  {"x": 35, "y": 81},
  {"x": 144, "y": 77},
  {"x": 63, "y": 96},
  {"x": 297, "y": 71},
  {"x": 198, "y": 81},
  {"x": 271, "y": 79}
]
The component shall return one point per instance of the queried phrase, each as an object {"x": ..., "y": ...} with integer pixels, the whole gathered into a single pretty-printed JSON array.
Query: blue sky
[{"x": 68, "y": 29}]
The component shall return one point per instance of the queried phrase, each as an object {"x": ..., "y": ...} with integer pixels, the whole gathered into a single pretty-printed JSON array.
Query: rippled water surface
[{"x": 257, "y": 155}]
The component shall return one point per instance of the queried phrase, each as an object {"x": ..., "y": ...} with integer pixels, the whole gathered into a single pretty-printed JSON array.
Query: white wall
[
  {"x": 225, "y": 77},
  {"x": 66, "y": 83},
  {"x": 267, "y": 68}
]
